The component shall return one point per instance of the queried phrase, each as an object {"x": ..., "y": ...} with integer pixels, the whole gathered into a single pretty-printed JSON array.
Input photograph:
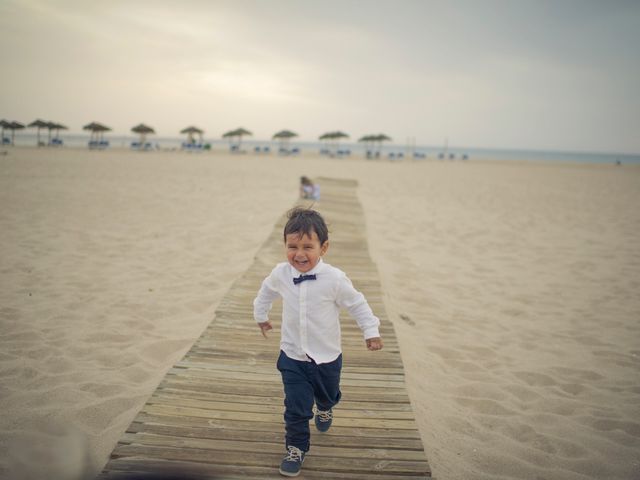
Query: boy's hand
[
  {"x": 265, "y": 327},
  {"x": 374, "y": 343}
]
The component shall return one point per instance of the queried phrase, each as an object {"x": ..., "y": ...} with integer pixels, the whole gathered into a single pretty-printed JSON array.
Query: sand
[{"x": 513, "y": 288}]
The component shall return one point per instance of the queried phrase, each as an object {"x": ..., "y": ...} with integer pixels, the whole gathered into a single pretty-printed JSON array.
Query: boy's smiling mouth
[{"x": 304, "y": 251}]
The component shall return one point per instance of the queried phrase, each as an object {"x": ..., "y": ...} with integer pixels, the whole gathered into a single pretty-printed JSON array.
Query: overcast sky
[{"x": 562, "y": 75}]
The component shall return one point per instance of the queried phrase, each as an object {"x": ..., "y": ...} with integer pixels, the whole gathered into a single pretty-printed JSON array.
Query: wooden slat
[
  {"x": 196, "y": 428},
  {"x": 174, "y": 395},
  {"x": 218, "y": 413},
  {"x": 243, "y": 406}
]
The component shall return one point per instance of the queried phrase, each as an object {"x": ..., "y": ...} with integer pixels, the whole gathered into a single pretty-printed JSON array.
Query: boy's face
[{"x": 304, "y": 251}]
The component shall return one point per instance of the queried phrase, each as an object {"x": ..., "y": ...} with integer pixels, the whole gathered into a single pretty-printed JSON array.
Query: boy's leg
[
  {"x": 326, "y": 384},
  {"x": 298, "y": 401}
]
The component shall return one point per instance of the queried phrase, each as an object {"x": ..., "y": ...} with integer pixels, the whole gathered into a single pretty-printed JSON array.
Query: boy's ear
[{"x": 324, "y": 247}]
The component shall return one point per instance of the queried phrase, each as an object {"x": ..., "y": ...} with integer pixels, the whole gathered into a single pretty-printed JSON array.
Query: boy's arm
[
  {"x": 262, "y": 304},
  {"x": 357, "y": 306}
]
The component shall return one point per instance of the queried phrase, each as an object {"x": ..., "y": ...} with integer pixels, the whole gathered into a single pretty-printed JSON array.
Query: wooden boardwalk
[{"x": 218, "y": 413}]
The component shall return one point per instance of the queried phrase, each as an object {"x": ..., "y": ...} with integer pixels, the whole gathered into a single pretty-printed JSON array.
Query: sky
[{"x": 540, "y": 74}]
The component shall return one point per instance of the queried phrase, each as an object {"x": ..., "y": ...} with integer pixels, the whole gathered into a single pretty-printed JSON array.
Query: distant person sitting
[{"x": 308, "y": 189}]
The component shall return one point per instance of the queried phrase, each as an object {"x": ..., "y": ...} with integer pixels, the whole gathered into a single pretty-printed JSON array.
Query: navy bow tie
[{"x": 302, "y": 278}]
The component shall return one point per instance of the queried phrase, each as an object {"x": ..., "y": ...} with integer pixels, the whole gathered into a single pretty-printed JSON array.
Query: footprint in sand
[{"x": 407, "y": 320}]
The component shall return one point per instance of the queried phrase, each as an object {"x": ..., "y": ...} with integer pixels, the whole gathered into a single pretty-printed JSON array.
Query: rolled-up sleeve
[{"x": 356, "y": 304}]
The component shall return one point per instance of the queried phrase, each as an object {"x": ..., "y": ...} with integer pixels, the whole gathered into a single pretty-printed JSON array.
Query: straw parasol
[
  {"x": 4, "y": 124},
  {"x": 284, "y": 136},
  {"x": 143, "y": 130},
  {"x": 238, "y": 132},
  {"x": 381, "y": 137},
  {"x": 333, "y": 136},
  {"x": 15, "y": 126},
  {"x": 38, "y": 124},
  {"x": 57, "y": 127},
  {"x": 370, "y": 141},
  {"x": 97, "y": 131},
  {"x": 191, "y": 131}
]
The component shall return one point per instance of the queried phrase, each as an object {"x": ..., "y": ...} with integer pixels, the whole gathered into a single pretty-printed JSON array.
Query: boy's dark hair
[{"x": 304, "y": 221}]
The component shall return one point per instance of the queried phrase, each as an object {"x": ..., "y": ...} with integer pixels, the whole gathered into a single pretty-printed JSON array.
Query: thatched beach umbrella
[
  {"x": 97, "y": 131},
  {"x": 143, "y": 130},
  {"x": 284, "y": 136},
  {"x": 333, "y": 137},
  {"x": 15, "y": 126},
  {"x": 368, "y": 144},
  {"x": 191, "y": 131},
  {"x": 57, "y": 127},
  {"x": 371, "y": 140},
  {"x": 38, "y": 124},
  {"x": 381, "y": 137},
  {"x": 238, "y": 132},
  {"x": 326, "y": 137},
  {"x": 230, "y": 134},
  {"x": 4, "y": 124}
]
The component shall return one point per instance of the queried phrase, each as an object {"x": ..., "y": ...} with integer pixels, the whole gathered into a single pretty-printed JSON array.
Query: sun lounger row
[
  {"x": 98, "y": 144},
  {"x": 452, "y": 156},
  {"x": 289, "y": 151},
  {"x": 281, "y": 150},
  {"x": 394, "y": 155},
  {"x": 140, "y": 146},
  {"x": 195, "y": 147},
  {"x": 338, "y": 153}
]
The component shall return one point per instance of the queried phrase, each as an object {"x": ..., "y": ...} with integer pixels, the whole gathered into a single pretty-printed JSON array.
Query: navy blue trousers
[{"x": 304, "y": 384}]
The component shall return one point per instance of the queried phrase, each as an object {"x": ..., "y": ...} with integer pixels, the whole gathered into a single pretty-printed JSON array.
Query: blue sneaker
[
  {"x": 323, "y": 419},
  {"x": 292, "y": 463}
]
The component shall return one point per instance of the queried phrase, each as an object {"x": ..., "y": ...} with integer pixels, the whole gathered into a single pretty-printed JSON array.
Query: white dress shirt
[{"x": 310, "y": 310}]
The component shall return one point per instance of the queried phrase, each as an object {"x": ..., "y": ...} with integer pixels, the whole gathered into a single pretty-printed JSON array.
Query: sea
[{"x": 388, "y": 151}]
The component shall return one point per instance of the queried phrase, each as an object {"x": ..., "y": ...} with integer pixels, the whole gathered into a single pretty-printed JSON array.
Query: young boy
[{"x": 310, "y": 353}]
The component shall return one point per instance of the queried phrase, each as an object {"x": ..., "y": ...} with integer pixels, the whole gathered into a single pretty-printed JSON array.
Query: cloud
[{"x": 486, "y": 73}]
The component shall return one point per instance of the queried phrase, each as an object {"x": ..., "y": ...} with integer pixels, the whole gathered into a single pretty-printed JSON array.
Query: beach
[{"x": 512, "y": 286}]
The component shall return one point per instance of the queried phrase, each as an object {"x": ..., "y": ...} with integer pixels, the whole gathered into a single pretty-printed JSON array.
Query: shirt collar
[{"x": 314, "y": 270}]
